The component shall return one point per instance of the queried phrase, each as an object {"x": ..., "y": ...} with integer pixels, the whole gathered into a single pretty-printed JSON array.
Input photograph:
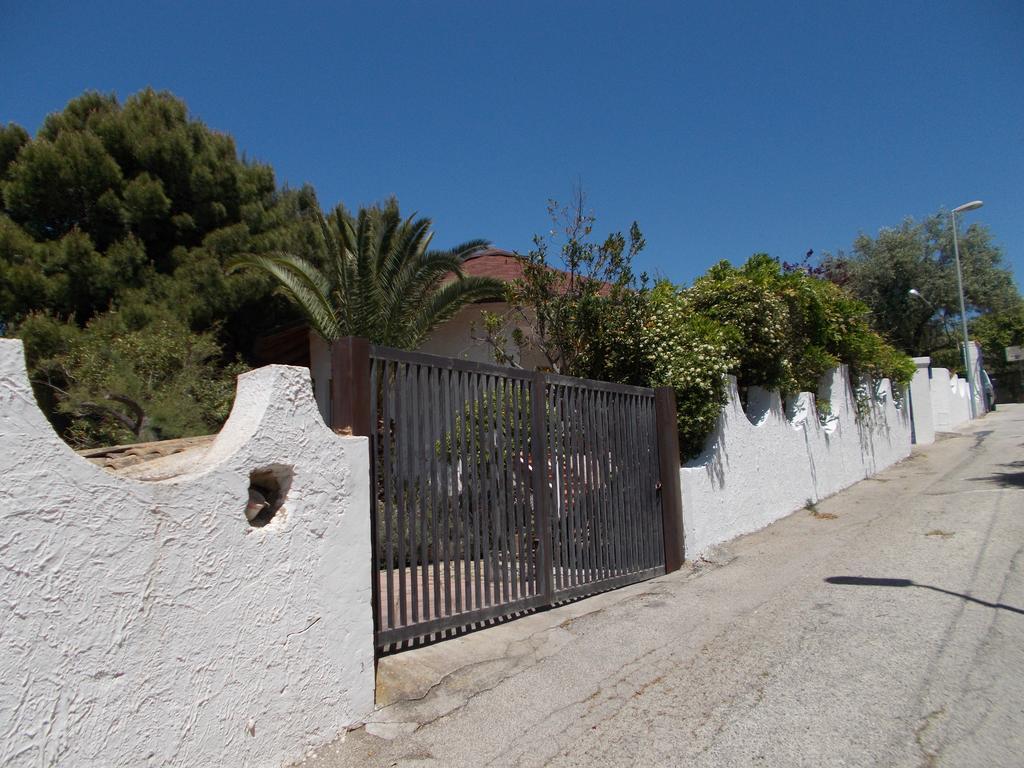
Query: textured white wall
[
  {"x": 959, "y": 400},
  {"x": 921, "y": 403},
  {"x": 951, "y": 405},
  {"x": 752, "y": 474},
  {"x": 147, "y": 623}
]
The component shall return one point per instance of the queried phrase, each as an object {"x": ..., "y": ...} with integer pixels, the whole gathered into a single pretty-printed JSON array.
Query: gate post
[
  {"x": 350, "y": 386},
  {"x": 351, "y": 415},
  {"x": 668, "y": 464},
  {"x": 539, "y": 460}
]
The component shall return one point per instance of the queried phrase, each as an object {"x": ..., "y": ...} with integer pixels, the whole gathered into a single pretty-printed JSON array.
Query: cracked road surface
[{"x": 913, "y": 655}]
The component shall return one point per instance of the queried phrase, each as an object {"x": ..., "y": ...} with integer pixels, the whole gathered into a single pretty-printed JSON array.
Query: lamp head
[
  {"x": 968, "y": 206},
  {"x": 915, "y": 292}
]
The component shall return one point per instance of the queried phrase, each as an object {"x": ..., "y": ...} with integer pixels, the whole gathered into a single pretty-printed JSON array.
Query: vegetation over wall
[
  {"x": 771, "y": 327},
  {"x": 121, "y": 230},
  {"x": 124, "y": 227},
  {"x": 115, "y": 226},
  {"x": 881, "y": 271}
]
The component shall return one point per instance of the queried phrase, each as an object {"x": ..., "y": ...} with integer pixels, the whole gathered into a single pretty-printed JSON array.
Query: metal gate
[{"x": 498, "y": 491}]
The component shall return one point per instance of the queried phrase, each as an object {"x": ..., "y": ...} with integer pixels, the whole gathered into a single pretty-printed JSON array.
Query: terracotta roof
[
  {"x": 119, "y": 457},
  {"x": 494, "y": 262},
  {"x": 503, "y": 265}
]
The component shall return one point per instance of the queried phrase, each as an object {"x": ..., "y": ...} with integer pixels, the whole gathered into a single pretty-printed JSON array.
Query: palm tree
[{"x": 376, "y": 278}]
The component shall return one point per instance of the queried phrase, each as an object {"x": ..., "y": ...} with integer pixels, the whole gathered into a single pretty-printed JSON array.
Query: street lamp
[
  {"x": 963, "y": 309},
  {"x": 917, "y": 293}
]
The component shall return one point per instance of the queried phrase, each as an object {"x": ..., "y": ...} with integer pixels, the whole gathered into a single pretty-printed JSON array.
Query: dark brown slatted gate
[
  {"x": 603, "y": 459},
  {"x": 475, "y": 519}
]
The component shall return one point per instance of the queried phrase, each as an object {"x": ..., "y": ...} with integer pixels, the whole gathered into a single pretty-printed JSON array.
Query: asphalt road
[{"x": 884, "y": 629}]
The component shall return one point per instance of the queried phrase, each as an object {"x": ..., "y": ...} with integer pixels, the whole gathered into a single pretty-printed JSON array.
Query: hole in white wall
[{"x": 268, "y": 489}]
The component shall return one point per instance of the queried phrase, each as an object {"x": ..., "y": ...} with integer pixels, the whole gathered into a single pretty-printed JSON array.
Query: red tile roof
[
  {"x": 494, "y": 262},
  {"x": 503, "y": 265}
]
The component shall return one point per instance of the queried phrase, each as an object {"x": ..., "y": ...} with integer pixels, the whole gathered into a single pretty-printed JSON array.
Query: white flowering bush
[
  {"x": 690, "y": 353},
  {"x": 749, "y": 301}
]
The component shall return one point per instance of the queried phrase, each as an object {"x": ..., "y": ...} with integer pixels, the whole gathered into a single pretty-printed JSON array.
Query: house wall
[
  {"x": 455, "y": 338},
  {"x": 148, "y": 623},
  {"x": 770, "y": 460}
]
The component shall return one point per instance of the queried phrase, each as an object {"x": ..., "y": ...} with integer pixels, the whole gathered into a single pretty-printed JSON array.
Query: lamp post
[{"x": 963, "y": 309}]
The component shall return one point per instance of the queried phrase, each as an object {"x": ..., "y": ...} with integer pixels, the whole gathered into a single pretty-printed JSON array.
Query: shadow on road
[
  {"x": 865, "y": 581},
  {"x": 1004, "y": 479}
]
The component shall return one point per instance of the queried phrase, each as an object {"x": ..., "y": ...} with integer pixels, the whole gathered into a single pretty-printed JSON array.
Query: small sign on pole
[{"x": 1014, "y": 353}]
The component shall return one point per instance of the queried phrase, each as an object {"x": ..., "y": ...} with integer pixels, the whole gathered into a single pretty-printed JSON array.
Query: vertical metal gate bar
[
  {"x": 538, "y": 450},
  {"x": 608, "y": 532},
  {"x": 593, "y": 484},
  {"x": 411, "y": 413},
  {"x": 571, "y": 513},
  {"x": 386, "y": 436},
  {"x": 617, "y": 448},
  {"x": 516, "y": 525},
  {"x": 668, "y": 467},
  {"x": 652, "y": 522},
  {"x": 634, "y": 481},
  {"x": 508, "y": 500},
  {"x": 401, "y": 448},
  {"x": 444, "y": 383},
  {"x": 480, "y": 561},
  {"x": 583, "y": 442},
  {"x": 375, "y": 522},
  {"x": 606, "y": 400},
  {"x": 456, "y": 500},
  {"x": 494, "y": 506},
  {"x": 465, "y": 503},
  {"x": 577, "y": 530},
  {"x": 436, "y": 551},
  {"x": 422, "y": 474},
  {"x": 645, "y": 550}
]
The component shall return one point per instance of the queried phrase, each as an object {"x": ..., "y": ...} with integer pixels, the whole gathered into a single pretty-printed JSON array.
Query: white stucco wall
[
  {"x": 148, "y": 624},
  {"x": 951, "y": 406},
  {"x": 921, "y": 403},
  {"x": 752, "y": 474},
  {"x": 960, "y": 400}
]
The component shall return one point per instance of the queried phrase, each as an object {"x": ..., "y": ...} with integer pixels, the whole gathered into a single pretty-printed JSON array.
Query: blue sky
[{"x": 724, "y": 129}]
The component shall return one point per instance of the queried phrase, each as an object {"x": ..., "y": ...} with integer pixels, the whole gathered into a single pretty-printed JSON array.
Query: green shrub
[
  {"x": 749, "y": 301},
  {"x": 691, "y": 353}
]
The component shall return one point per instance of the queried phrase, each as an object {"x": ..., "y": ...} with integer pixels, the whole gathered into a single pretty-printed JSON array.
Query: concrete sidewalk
[{"x": 756, "y": 659}]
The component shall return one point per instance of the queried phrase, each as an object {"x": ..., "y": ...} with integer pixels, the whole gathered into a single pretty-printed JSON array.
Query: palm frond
[
  {"x": 376, "y": 276},
  {"x": 303, "y": 283},
  {"x": 447, "y": 300}
]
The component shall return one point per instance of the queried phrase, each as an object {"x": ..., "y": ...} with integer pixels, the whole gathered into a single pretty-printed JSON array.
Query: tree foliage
[
  {"x": 880, "y": 271},
  {"x": 770, "y": 327},
  {"x": 995, "y": 332},
  {"x": 116, "y": 223},
  {"x": 376, "y": 277},
  {"x": 572, "y": 315},
  {"x": 114, "y": 383}
]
